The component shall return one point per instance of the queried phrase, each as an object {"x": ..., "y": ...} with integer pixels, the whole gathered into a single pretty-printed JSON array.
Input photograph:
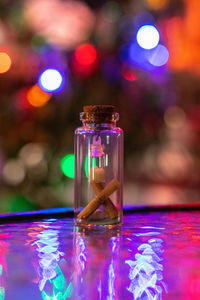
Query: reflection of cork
[
  {"x": 99, "y": 199},
  {"x": 108, "y": 206}
]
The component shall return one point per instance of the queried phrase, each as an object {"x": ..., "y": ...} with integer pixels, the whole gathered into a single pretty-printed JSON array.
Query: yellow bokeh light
[
  {"x": 37, "y": 97},
  {"x": 5, "y": 62},
  {"x": 157, "y": 4}
]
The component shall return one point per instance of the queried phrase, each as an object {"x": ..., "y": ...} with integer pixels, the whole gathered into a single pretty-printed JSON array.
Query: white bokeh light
[
  {"x": 13, "y": 172},
  {"x": 32, "y": 154},
  {"x": 50, "y": 80},
  {"x": 158, "y": 56},
  {"x": 148, "y": 37},
  {"x": 64, "y": 24}
]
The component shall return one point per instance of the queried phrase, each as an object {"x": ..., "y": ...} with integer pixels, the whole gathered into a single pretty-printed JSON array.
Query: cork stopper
[{"x": 99, "y": 114}]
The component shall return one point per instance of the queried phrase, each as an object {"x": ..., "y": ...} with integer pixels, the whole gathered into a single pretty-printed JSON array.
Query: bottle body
[{"x": 98, "y": 174}]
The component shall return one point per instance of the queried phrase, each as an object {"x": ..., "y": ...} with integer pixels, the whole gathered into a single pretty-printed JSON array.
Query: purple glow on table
[{"x": 152, "y": 256}]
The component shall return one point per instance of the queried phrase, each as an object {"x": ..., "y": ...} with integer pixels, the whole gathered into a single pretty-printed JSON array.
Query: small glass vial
[{"x": 98, "y": 167}]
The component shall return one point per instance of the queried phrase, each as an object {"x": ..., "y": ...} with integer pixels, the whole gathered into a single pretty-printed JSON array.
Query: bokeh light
[
  {"x": 182, "y": 39},
  {"x": 2, "y": 32},
  {"x": 37, "y": 42},
  {"x": 64, "y": 24},
  {"x": 67, "y": 165},
  {"x": 37, "y": 97},
  {"x": 194, "y": 117},
  {"x": 87, "y": 166},
  {"x": 128, "y": 74},
  {"x": 100, "y": 48},
  {"x": 136, "y": 54},
  {"x": 5, "y": 62},
  {"x": 111, "y": 69},
  {"x": 142, "y": 18},
  {"x": 86, "y": 54},
  {"x": 174, "y": 117},
  {"x": 21, "y": 100},
  {"x": 148, "y": 36},
  {"x": 32, "y": 154},
  {"x": 137, "y": 57},
  {"x": 51, "y": 80},
  {"x": 158, "y": 56},
  {"x": 111, "y": 11},
  {"x": 157, "y": 4},
  {"x": 174, "y": 163},
  {"x": 19, "y": 202},
  {"x": 13, "y": 172}
]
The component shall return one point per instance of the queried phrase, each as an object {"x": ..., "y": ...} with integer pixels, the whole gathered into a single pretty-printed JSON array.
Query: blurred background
[{"x": 58, "y": 55}]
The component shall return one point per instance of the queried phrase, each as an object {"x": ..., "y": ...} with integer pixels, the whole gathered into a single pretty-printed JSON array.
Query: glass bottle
[{"x": 98, "y": 167}]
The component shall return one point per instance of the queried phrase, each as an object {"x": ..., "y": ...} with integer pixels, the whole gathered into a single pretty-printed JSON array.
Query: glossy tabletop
[{"x": 153, "y": 255}]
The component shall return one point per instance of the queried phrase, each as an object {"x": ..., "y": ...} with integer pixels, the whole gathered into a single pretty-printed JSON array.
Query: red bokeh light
[
  {"x": 128, "y": 74},
  {"x": 21, "y": 100},
  {"x": 194, "y": 117},
  {"x": 85, "y": 54}
]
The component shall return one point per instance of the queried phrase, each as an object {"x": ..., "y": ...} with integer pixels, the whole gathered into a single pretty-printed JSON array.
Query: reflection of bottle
[
  {"x": 146, "y": 271},
  {"x": 95, "y": 271},
  {"x": 98, "y": 167},
  {"x": 112, "y": 288},
  {"x": 50, "y": 261}
]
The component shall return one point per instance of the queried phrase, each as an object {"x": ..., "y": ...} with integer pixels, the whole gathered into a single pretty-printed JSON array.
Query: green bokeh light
[
  {"x": 14, "y": 202},
  {"x": 67, "y": 165},
  {"x": 87, "y": 166}
]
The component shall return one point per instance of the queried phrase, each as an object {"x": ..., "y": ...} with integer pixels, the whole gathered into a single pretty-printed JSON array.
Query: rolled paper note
[
  {"x": 97, "y": 174},
  {"x": 108, "y": 205},
  {"x": 99, "y": 199}
]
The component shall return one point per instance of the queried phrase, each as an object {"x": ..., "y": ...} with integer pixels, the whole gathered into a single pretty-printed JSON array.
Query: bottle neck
[{"x": 99, "y": 126}]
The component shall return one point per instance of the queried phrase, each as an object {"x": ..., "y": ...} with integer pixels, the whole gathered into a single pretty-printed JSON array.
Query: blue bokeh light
[
  {"x": 148, "y": 36},
  {"x": 51, "y": 80},
  {"x": 136, "y": 54},
  {"x": 158, "y": 56},
  {"x": 137, "y": 57}
]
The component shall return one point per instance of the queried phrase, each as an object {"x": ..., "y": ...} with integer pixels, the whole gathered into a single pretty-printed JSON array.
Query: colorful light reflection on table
[
  {"x": 52, "y": 282},
  {"x": 152, "y": 256}
]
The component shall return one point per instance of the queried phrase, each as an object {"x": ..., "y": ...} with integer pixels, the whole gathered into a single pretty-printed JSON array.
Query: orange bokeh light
[
  {"x": 157, "y": 4},
  {"x": 182, "y": 37},
  {"x": 5, "y": 62},
  {"x": 37, "y": 97}
]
